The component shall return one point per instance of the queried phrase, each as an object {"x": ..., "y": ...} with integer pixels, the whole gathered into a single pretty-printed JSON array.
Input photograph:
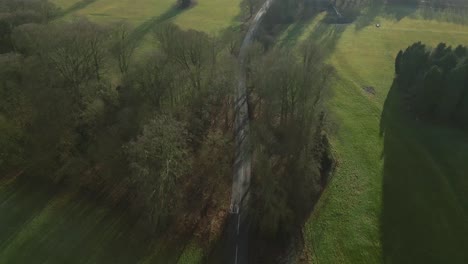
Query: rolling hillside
[{"x": 397, "y": 194}]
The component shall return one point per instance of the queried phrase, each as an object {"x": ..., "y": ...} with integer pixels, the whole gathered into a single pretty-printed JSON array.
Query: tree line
[
  {"x": 292, "y": 157},
  {"x": 431, "y": 3},
  {"x": 435, "y": 82}
]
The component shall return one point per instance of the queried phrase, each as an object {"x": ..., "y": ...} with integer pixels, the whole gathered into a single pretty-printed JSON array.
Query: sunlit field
[
  {"x": 206, "y": 15},
  {"x": 398, "y": 196}
]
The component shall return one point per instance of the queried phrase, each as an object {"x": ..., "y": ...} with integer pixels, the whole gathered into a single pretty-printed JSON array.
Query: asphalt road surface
[{"x": 243, "y": 160}]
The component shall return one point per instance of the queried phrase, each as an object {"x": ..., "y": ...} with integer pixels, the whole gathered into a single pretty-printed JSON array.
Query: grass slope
[
  {"x": 43, "y": 226},
  {"x": 206, "y": 15},
  {"x": 396, "y": 197},
  {"x": 40, "y": 225}
]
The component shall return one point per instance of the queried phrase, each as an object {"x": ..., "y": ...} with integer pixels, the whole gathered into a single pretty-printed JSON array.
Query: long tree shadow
[
  {"x": 327, "y": 36},
  {"x": 425, "y": 207},
  {"x": 21, "y": 208},
  {"x": 286, "y": 32},
  {"x": 294, "y": 32},
  {"x": 40, "y": 224},
  {"x": 139, "y": 32},
  {"x": 77, "y": 6}
]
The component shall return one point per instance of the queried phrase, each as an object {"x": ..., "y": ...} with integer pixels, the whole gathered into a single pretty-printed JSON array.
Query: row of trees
[
  {"x": 292, "y": 155},
  {"x": 431, "y": 3},
  {"x": 435, "y": 82},
  {"x": 446, "y": 3},
  {"x": 15, "y": 12},
  {"x": 182, "y": 95},
  {"x": 283, "y": 13}
]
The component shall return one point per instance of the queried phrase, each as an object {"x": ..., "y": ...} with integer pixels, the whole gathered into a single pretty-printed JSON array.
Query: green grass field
[
  {"x": 207, "y": 15},
  {"x": 42, "y": 225},
  {"x": 396, "y": 197}
]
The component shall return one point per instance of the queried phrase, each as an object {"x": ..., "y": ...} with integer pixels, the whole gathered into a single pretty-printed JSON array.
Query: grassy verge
[
  {"x": 40, "y": 225},
  {"x": 348, "y": 225}
]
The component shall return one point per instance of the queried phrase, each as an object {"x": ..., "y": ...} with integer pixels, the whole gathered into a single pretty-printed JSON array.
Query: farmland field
[{"x": 397, "y": 194}]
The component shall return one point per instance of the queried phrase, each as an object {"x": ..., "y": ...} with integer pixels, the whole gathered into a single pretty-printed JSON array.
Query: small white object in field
[{"x": 377, "y": 25}]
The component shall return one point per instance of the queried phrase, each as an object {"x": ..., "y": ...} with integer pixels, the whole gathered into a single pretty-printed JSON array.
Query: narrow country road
[{"x": 243, "y": 159}]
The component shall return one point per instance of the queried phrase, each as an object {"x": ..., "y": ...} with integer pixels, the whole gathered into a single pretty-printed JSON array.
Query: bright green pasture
[{"x": 399, "y": 196}]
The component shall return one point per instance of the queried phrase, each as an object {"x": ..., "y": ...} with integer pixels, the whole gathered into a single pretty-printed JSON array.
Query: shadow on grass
[
  {"x": 139, "y": 32},
  {"x": 296, "y": 31},
  {"x": 18, "y": 210},
  {"x": 425, "y": 207},
  {"x": 77, "y": 6},
  {"x": 285, "y": 32},
  {"x": 327, "y": 36},
  {"x": 39, "y": 224}
]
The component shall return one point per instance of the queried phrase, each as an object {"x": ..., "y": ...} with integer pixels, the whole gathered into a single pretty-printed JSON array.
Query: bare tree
[
  {"x": 123, "y": 47},
  {"x": 194, "y": 52},
  {"x": 159, "y": 159}
]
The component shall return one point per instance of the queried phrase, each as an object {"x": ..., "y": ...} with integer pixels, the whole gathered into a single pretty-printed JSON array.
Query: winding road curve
[{"x": 243, "y": 159}]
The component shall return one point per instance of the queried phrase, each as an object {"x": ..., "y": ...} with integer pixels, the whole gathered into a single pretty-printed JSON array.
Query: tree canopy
[{"x": 435, "y": 82}]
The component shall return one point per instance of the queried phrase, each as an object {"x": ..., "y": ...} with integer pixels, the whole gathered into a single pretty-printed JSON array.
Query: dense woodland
[
  {"x": 76, "y": 108},
  {"x": 434, "y": 82},
  {"x": 79, "y": 106},
  {"x": 292, "y": 152}
]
